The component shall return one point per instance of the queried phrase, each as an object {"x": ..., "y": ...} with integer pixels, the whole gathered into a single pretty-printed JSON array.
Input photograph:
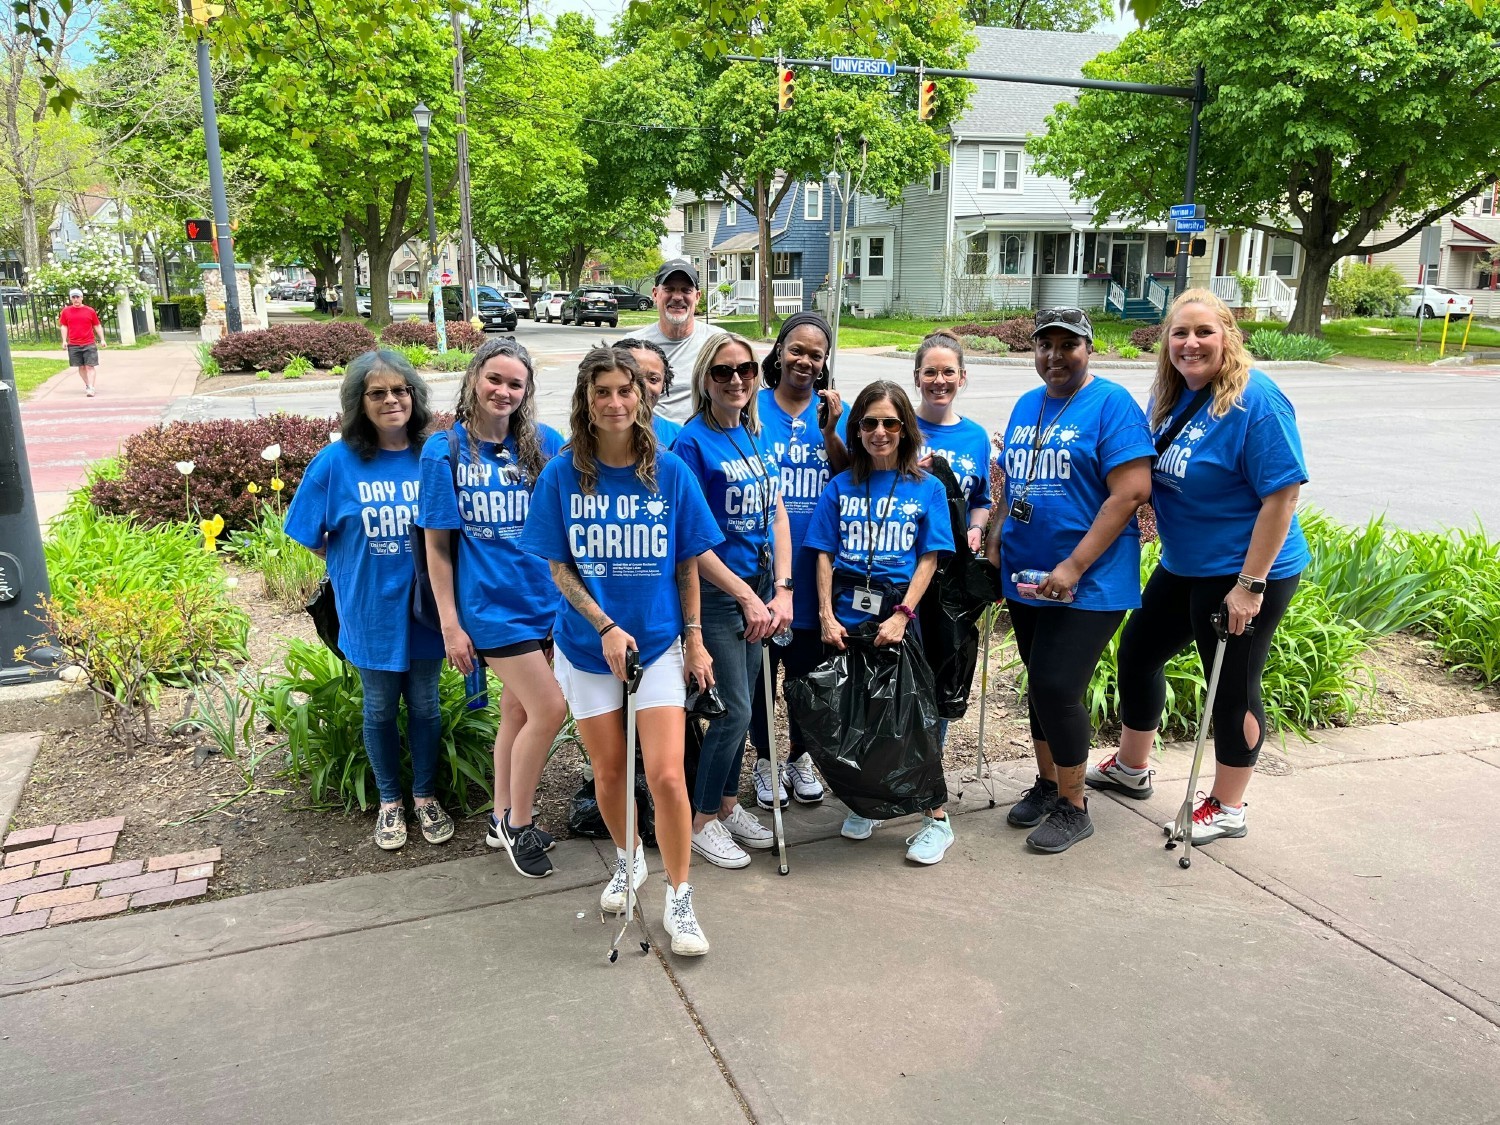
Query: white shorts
[{"x": 590, "y": 694}]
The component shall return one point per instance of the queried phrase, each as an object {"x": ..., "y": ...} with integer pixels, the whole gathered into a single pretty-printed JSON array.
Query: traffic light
[
  {"x": 926, "y": 100},
  {"x": 785, "y": 92},
  {"x": 1199, "y": 247},
  {"x": 1171, "y": 248},
  {"x": 201, "y": 11}
]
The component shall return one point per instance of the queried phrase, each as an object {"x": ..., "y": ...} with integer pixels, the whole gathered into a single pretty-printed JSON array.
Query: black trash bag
[
  {"x": 868, "y": 719},
  {"x": 585, "y": 819},
  {"x": 323, "y": 609},
  {"x": 950, "y": 610}
]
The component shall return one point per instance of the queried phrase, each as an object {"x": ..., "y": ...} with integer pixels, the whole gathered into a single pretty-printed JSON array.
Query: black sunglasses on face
[
  {"x": 869, "y": 425},
  {"x": 381, "y": 393},
  {"x": 723, "y": 372}
]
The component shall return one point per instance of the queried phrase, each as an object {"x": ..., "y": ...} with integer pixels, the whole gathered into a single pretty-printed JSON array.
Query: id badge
[
  {"x": 1020, "y": 510},
  {"x": 867, "y": 601}
]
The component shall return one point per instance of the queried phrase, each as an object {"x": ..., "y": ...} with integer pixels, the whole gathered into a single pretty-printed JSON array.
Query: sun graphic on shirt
[
  {"x": 1195, "y": 432},
  {"x": 821, "y": 455},
  {"x": 657, "y": 506},
  {"x": 964, "y": 464},
  {"x": 911, "y": 509},
  {"x": 1068, "y": 434}
]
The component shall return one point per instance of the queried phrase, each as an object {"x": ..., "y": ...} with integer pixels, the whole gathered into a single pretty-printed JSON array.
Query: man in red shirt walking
[{"x": 84, "y": 334}]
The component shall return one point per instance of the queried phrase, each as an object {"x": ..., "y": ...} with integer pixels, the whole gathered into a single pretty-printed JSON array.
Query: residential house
[{"x": 1461, "y": 252}]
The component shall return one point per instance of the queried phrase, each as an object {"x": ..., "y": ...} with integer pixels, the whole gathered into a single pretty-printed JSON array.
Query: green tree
[
  {"x": 1322, "y": 126},
  {"x": 1038, "y": 15}
]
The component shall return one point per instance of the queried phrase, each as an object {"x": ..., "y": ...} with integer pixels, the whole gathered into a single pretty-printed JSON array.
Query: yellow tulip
[
  {"x": 277, "y": 484},
  {"x": 211, "y": 530},
  {"x": 252, "y": 488}
]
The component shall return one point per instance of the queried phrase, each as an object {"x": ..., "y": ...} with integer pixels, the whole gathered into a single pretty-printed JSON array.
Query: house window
[
  {"x": 851, "y": 265},
  {"x": 747, "y": 268},
  {"x": 977, "y": 255},
  {"x": 781, "y": 265},
  {"x": 1000, "y": 169},
  {"x": 1487, "y": 201},
  {"x": 1055, "y": 253},
  {"x": 812, "y": 203},
  {"x": 936, "y": 184},
  {"x": 713, "y": 271},
  {"x": 875, "y": 258},
  {"x": 1095, "y": 254},
  {"x": 703, "y": 216},
  {"x": 1283, "y": 257},
  {"x": 1012, "y": 254},
  {"x": 729, "y": 209}
]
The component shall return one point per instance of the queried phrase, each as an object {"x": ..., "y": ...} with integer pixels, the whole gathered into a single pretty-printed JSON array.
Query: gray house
[{"x": 987, "y": 231}]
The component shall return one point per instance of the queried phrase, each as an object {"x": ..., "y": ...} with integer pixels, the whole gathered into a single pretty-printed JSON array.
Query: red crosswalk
[{"x": 63, "y": 438}]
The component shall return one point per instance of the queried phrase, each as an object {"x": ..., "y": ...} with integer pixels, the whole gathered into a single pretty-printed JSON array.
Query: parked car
[
  {"x": 518, "y": 301},
  {"x": 362, "y": 299},
  {"x": 12, "y": 295},
  {"x": 495, "y": 311},
  {"x": 628, "y": 298},
  {"x": 1436, "y": 300},
  {"x": 549, "y": 306},
  {"x": 591, "y": 304}
]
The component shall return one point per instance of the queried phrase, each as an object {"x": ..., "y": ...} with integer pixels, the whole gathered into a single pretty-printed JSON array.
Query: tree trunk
[
  {"x": 1307, "y": 315},
  {"x": 382, "y": 238},
  {"x": 348, "y": 283},
  {"x": 31, "y": 242},
  {"x": 766, "y": 305},
  {"x": 572, "y": 266}
]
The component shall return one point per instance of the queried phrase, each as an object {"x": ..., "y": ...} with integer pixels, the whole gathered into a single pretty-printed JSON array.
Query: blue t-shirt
[
  {"x": 966, "y": 448},
  {"x": 366, "y": 509},
  {"x": 666, "y": 430},
  {"x": 504, "y": 595},
  {"x": 1209, "y": 483},
  {"x": 910, "y": 518},
  {"x": 626, "y": 542},
  {"x": 1085, "y": 440},
  {"x": 740, "y": 480},
  {"x": 798, "y": 447}
]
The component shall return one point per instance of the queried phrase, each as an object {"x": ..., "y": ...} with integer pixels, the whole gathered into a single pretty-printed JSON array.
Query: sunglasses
[
  {"x": 869, "y": 425},
  {"x": 382, "y": 393},
  {"x": 1068, "y": 315},
  {"x": 723, "y": 372}
]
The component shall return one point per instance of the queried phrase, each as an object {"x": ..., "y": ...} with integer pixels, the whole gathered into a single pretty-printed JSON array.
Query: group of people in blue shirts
[{"x": 777, "y": 521}]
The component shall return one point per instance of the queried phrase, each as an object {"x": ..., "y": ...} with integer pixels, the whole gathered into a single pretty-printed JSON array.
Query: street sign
[
  {"x": 869, "y": 68},
  {"x": 199, "y": 230},
  {"x": 1187, "y": 210},
  {"x": 447, "y": 278},
  {"x": 1193, "y": 226}
]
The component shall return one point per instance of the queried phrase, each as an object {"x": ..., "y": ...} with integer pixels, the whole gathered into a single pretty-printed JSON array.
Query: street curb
[{"x": 1118, "y": 364}]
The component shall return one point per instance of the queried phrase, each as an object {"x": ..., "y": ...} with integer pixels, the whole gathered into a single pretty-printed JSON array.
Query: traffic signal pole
[{"x": 224, "y": 238}]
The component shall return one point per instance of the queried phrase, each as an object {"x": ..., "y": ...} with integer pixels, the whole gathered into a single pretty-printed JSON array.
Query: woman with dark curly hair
[
  {"x": 355, "y": 507},
  {"x": 622, "y": 524},
  {"x": 496, "y": 602},
  {"x": 658, "y": 374}
]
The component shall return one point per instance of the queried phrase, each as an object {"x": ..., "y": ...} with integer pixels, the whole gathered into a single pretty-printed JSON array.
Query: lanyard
[
  {"x": 765, "y": 515},
  {"x": 1039, "y": 439},
  {"x": 872, "y": 524}
]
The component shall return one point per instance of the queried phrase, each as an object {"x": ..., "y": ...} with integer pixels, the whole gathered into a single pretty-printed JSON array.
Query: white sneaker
[
  {"x": 679, "y": 921},
  {"x": 612, "y": 901},
  {"x": 714, "y": 843},
  {"x": 1108, "y": 774},
  {"x": 1212, "y": 821},
  {"x": 858, "y": 827},
  {"x": 762, "y": 772},
  {"x": 746, "y": 830},
  {"x": 805, "y": 785}
]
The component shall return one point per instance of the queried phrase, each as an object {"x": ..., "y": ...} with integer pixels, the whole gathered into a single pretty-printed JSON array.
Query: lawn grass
[
  {"x": 1395, "y": 338},
  {"x": 32, "y": 372}
]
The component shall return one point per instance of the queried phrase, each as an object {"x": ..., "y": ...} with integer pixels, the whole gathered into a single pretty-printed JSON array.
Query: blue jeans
[
  {"x": 736, "y": 667},
  {"x": 424, "y": 726}
]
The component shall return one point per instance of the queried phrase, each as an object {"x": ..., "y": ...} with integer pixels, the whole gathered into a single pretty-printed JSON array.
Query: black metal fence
[{"x": 31, "y": 318}]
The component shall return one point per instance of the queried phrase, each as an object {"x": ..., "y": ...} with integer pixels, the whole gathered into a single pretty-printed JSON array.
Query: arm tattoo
[
  {"x": 685, "y": 582},
  {"x": 570, "y": 585}
]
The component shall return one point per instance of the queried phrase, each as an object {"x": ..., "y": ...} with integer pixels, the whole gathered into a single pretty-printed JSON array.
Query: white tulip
[
  {"x": 271, "y": 452},
  {"x": 185, "y": 468}
]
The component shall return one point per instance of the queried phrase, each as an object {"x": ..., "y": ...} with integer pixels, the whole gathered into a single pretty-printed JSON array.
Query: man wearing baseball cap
[
  {"x": 677, "y": 332},
  {"x": 84, "y": 335}
]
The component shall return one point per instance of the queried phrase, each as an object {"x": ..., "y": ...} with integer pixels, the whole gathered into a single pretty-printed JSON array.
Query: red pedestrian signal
[
  {"x": 199, "y": 230},
  {"x": 926, "y": 100},
  {"x": 785, "y": 92}
]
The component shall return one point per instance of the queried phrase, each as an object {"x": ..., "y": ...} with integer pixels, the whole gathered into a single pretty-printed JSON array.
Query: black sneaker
[
  {"x": 1065, "y": 825},
  {"x": 495, "y": 840},
  {"x": 527, "y": 855},
  {"x": 1034, "y": 804}
]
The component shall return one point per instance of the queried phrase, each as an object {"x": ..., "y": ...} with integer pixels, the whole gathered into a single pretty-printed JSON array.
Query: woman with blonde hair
[
  {"x": 623, "y": 526},
  {"x": 1227, "y": 476}
]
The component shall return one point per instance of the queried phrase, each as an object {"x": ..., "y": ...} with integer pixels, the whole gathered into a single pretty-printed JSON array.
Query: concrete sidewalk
[{"x": 1338, "y": 964}]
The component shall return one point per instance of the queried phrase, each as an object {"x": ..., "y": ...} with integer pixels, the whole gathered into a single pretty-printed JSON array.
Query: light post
[{"x": 423, "y": 117}]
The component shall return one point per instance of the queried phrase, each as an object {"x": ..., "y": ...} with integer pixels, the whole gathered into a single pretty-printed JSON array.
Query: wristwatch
[
  {"x": 784, "y": 584},
  {"x": 1254, "y": 585}
]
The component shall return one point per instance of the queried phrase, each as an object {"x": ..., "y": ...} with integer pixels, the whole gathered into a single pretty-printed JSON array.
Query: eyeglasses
[
  {"x": 723, "y": 372},
  {"x": 380, "y": 394},
  {"x": 868, "y": 425},
  {"x": 1067, "y": 315}
]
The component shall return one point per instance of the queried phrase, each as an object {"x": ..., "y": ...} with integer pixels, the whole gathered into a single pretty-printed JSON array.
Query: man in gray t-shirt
[{"x": 677, "y": 333}]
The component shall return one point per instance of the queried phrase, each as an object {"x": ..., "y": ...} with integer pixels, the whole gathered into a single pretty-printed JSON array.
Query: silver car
[{"x": 1436, "y": 300}]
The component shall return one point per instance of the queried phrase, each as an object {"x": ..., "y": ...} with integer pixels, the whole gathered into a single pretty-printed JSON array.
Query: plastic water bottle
[
  {"x": 477, "y": 688},
  {"x": 1028, "y": 584},
  {"x": 782, "y": 638}
]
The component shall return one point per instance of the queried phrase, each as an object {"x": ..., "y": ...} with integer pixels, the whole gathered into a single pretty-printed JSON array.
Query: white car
[
  {"x": 1436, "y": 300},
  {"x": 517, "y": 301},
  {"x": 550, "y": 305}
]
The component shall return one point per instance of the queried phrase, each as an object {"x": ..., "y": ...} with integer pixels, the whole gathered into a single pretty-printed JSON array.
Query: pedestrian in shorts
[{"x": 83, "y": 333}]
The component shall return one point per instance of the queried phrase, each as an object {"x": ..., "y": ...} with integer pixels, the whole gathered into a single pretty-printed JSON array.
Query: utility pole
[
  {"x": 468, "y": 267},
  {"x": 201, "y": 13}
]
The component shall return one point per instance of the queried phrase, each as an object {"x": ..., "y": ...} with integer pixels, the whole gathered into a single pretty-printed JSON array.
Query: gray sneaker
[
  {"x": 390, "y": 828},
  {"x": 1109, "y": 775},
  {"x": 1065, "y": 825}
]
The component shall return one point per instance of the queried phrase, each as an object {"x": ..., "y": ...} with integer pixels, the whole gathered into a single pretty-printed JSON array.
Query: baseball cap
[
  {"x": 677, "y": 265},
  {"x": 75, "y": 292},
  {"x": 1073, "y": 320}
]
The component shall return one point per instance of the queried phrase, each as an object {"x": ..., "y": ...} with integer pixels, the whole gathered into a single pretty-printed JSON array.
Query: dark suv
[
  {"x": 494, "y": 310},
  {"x": 628, "y": 298},
  {"x": 594, "y": 303}
]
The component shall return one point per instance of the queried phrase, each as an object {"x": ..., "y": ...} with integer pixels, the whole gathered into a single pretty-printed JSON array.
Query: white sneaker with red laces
[
  {"x": 1109, "y": 774},
  {"x": 1212, "y": 821}
]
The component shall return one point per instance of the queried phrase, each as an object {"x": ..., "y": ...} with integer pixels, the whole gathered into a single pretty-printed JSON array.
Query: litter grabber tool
[
  {"x": 984, "y": 701},
  {"x": 766, "y": 681},
  {"x": 633, "y": 673},
  {"x": 1181, "y": 829}
]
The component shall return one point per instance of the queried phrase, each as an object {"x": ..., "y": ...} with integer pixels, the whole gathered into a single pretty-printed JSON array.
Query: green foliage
[
  {"x": 1465, "y": 619},
  {"x": 418, "y": 355},
  {"x": 1248, "y": 285},
  {"x": 316, "y": 705},
  {"x": 225, "y": 709},
  {"x": 1128, "y": 351},
  {"x": 1361, "y": 290},
  {"x": 297, "y": 366},
  {"x": 1370, "y": 575},
  {"x": 1048, "y": 15},
  {"x": 984, "y": 345},
  {"x": 290, "y": 571},
  {"x": 1265, "y": 343},
  {"x": 208, "y": 366},
  {"x": 191, "y": 309}
]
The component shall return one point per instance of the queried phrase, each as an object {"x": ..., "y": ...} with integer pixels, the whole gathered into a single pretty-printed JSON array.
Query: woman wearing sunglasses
[
  {"x": 623, "y": 526},
  {"x": 799, "y": 415},
  {"x": 496, "y": 602},
  {"x": 1076, "y": 465},
  {"x": 355, "y": 507},
  {"x": 880, "y": 528},
  {"x": 748, "y": 595}
]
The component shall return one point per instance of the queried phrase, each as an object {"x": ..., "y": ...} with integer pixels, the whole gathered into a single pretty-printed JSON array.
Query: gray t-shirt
[{"x": 677, "y": 404}]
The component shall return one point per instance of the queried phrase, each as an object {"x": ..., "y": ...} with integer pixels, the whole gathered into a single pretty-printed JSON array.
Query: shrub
[
  {"x": 1146, "y": 338},
  {"x": 416, "y": 354},
  {"x": 462, "y": 335},
  {"x": 1361, "y": 290},
  {"x": 190, "y": 309},
  {"x": 298, "y": 367},
  {"x": 450, "y": 360},
  {"x": 1465, "y": 619},
  {"x": 1128, "y": 351},
  {"x": 1268, "y": 343},
  {"x": 325, "y": 344},
  {"x": 1014, "y": 333},
  {"x": 226, "y": 456},
  {"x": 1369, "y": 576},
  {"x": 208, "y": 366},
  {"x": 986, "y": 345}
]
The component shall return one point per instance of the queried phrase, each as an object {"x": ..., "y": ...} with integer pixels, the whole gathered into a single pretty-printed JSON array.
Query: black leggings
[
  {"x": 1177, "y": 611},
  {"x": 796, "y": 659},
  {"x": 1060, "y": 646}
]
